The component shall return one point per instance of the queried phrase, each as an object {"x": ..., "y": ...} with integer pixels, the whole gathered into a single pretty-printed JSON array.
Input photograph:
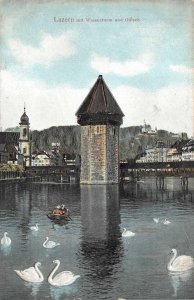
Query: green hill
[{"x": 132, "y": 141}]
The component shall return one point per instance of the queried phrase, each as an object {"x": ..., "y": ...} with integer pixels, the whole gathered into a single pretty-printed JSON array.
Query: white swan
[
  {"x": 128, "y": 233},
  {"x": 31, "y": 274},
  {"x": 35, "y": 228},
  {"x": 50, "y": 244},
  {"x": 63, "y": 278},
  {"x": 5, "y": 241},
  {"x": 181, "y": 263},
  {"x": 156, "y": 220},
  {"x": 166, "y": 222}
]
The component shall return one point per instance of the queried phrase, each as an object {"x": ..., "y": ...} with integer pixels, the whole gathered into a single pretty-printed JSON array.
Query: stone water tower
[{"x": 100, "y": 118}]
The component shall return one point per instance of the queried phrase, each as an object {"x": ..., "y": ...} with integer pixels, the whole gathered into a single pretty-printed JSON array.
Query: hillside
[
  {"x": 67, "y": 136},
  {"x": 132, "y": 141}
]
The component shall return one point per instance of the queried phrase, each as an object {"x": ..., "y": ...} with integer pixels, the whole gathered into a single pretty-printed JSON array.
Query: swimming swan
[
  {"x": 166, "y": 222},
  {"x": 49, "y": 244},
  {"x": 127, "y": 233},
  {"x": 31, "y": 274},
  {"x": 63, "y": 278},
  {"x": 181, "y": 263},
  {"x": 156, "y": 220},
  {"x": 5, "y": 241},
  {"x": 35, "y": 228}
]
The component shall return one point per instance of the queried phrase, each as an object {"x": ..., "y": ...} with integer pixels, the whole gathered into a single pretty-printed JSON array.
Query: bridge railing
[{"x": 10, "y": 175}]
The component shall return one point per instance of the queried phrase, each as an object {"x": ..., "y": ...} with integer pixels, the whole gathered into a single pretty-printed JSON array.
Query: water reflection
[
  {"x": 91, "y": 243},
  {"x": 58, "y": 293},
  {"x": 101, "y": 238},
  {"x": 60, "y": 226},
  {"x": 179, "y": 279},
  {"x": 6, "y": 250},
  {"x": 34, "y": 287},
  {"x": 150, "y": 190}
]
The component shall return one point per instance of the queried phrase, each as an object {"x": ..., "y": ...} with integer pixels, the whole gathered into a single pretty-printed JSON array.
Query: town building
[
  {"x": 100, "y": 118},
  {"x": 175, "y": 151},
  {"x": 15, "y": 146},
  {"x": 41, "y": 159},
  {"x": 146, "y": 129},
  {"x": 157, "y": 153},
  {"x": 188, "y": 151},
  {"x": 9, "y": 147},
  {"x": 55, "y": 154},
  {"x": 69, "y": 159},
  {"x": 24, "y": 139}
]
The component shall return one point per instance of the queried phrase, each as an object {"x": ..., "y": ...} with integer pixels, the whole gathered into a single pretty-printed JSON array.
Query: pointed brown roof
[{"x": 99, "y": 102}]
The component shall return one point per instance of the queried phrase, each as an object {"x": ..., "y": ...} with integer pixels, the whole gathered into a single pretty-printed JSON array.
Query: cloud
[
  {"x": 181, "y": 69},
  {"x": 46, "y": 106},
  {"x": 168, "y": 108},
  {"x": 50, "y": 50},
  {"x": 103, "y": 64}
]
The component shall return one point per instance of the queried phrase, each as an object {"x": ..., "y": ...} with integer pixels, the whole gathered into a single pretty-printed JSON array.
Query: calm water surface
[{"x": 110, "y": 266}]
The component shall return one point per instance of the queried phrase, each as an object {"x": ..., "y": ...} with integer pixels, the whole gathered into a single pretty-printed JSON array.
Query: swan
[
  {"x": 35, "y": 228},
  {"x": 49, "y": 244},
  {"x": 5, "y": 241},
  {"x": 181, "y": 263},
  {"x": 63, "y": 278},
  {"x": 31, "y": 274},
  {"x": 127, "y": 233},
  {"x": 156, "y": 220},
  {"x": 166, "y": 222}
]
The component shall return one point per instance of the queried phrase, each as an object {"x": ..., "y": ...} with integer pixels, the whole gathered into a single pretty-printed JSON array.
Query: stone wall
[
  {"x": 99, "y": 154},
  {"x": 85, "y": 154},
  {"x": 112, "y": 136}
]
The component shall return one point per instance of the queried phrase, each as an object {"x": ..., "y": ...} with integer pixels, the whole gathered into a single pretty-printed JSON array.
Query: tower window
[
  {"x": 24, "y": 150},
  {"x": 112, "y": 131},
  {"x": 97, "y": 130},
  {"x": 24, "y": 132}
]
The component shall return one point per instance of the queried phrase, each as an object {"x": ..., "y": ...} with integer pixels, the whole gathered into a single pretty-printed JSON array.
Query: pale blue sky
[{"x": 147, "y": 64}]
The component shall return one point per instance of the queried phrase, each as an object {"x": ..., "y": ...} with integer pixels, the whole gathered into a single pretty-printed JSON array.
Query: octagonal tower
[{"x": 100, "y": 118}]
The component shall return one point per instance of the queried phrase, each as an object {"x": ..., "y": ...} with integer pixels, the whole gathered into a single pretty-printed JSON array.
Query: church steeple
[
  {"x": 24, "y": 120},
  {"x": 24, "y": 140}
]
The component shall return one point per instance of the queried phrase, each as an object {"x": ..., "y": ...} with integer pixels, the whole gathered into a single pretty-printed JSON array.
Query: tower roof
[
  {"x": 99, "y": 102},
  {"x": 24, "y": 118}
]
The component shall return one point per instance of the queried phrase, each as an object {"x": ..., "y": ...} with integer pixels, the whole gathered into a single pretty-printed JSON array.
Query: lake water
[{"x": 91, "y": 244}]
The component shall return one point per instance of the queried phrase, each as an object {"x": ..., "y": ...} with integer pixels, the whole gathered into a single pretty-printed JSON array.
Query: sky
[{"x": 53, "y": 51}]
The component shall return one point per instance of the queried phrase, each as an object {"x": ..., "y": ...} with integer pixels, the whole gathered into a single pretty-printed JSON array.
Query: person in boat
[
  {"x": 57, "y": 211},
  {"x": 65, "y": 210},
  {"x": 61, "y": 210}
]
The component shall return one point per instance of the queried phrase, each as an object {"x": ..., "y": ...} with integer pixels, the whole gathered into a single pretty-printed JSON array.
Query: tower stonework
[
  {"x": 24, "y": 140},
  {"x": 100, "y": 118}
]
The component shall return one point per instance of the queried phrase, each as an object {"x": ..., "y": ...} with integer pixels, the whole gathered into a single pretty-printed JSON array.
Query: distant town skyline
[{"x": 52, "y": 53}]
